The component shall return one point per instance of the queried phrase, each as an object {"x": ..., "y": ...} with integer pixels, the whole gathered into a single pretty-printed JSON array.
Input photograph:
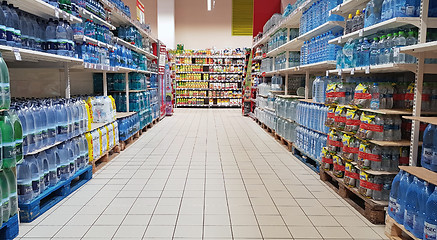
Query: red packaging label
[
  {"x": 327, "y": 160},
  {"x": 398, "y": 97},
  {"x": 352, "y": 175},
  {"x": 351, "y": 150},
  {"x": 363, "y": 96},
  {"x": 368, "y": 185},
  {"x": 369, "y": 156},
  {"x": 340, "y": 119},
  {"x": 372, "y": 127},
  {"x": 336, "y": 94},
  {"x": 404, "y": 160},
  {"x": 409, "y": 96},
  {"x": 422, "y": 127},
  {"x": 426, "y": 97},
  {"x": 331, "y": 115},
  {"x": 339, "y": 167},
  {"x": 352, "y": 122},
  {"x": 335, "y": 143}
]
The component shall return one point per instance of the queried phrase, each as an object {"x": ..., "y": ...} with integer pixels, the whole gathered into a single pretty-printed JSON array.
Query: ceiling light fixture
[{"x": 209, "y": 4}]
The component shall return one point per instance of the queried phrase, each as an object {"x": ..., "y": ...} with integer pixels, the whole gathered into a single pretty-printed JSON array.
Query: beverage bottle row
[
  {"x": 429, "y": 148},
  {"x": 137, "y": 81},
  {"x": 286, "y": 129},
  {"x": 286, "y": 108},
  {"x": 266, "y": 65},
  {"x": 192, "y": 76},
  {"x": 194, "y": 84},
  {"x": 131, "y": 35},
  {"x": 5, "y": 92},
  {"x": 217, "y": 85},
  {"x": 93, "y": 6},
  {"x": 47, "y": 121},
  {"x": 312, "y": 116},
  {"x": 191, "y": 101},
  {"x": 319, "y": 89},
  {"x": 93, "y": 30},
  {"x": 318, "y": 50},
  {"x": 380, "y": 50},
  {"x": 318, "y": 14},
  {"x": 378, "y": 93},
  {"x": 376, "y": 187},
  {"x": 413, "y": 203},
  {"x": 122, "y": 6},
  {"x": 45, "y": 169},
  {"x": 11, "y": 135},
  {"x": 267, "y": 117},
  {"x": 190, "y": 93},
  {"x": 293, "y": 59},
  {"x": 128, "y": 126},
  {"x": 116, "y": 81},
  {"x": 189, "y": 68},
  {"x": 281, "y": 61},
  {"x": 277, "y": 83},
  {"x": 277, "y": 40},
  {"x": 310, "y": 142}
]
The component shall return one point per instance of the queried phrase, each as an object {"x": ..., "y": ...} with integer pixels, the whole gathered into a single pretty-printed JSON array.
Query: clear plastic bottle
[
  {"x": 374, "y": 52},
  {"x": 4, "y": 183}
]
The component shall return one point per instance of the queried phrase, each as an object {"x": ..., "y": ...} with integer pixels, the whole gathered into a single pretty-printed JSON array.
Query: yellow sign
[{"x": 140, "y": 12}]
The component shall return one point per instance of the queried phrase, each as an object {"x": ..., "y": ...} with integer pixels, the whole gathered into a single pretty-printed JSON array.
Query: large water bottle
[
  {"x": 24, "y": 182},
  {"x": 16, "y": 21},
  {"x": 2, "y": 27},
  {"x": 406, "y": 180},
  {"x": 430, "y": 229},
  {"x": 24, "y": 26},
  {"x": 13, "y": 198},
  {"x": 53, "y": 159},
  {"x": 425, "y": 191},
  {"x": 375, "y": 102},
  {"x": 44, "y": 168},
  {"x": 62, "y": 122},
  {"x": 428, "y": 146},
  {"x": 71, "y": 157},
  {"x": 9, "y": 23},
  {"x": 394, "y": 193},
  {"x": 374, "y": 52},
  {"x": 433, "y": 164},
  {"x": 6, "y": 208},
  {"x": 8, "y": 141},
  {"x": 51, "y": 44},
  {"x": 51, "y": 122},
  {"x": 44, "y": 123},
  {"x": 70, "y": 38},
  {"x": 365, "y": 53},
  {"x": 61, "y": 38},
  {"x": 18, "y": 134},
  {"x": 412, "y": 204},
  {"x": 65, "y": 162},
  {"x": 4, "y": 85}
]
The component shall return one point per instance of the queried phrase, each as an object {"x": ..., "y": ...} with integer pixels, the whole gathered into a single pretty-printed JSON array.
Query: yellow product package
[
  {"x": 107, "y": 138},
  {"x": 89, "y": 139},
  {"x": 100, "y": 142}
]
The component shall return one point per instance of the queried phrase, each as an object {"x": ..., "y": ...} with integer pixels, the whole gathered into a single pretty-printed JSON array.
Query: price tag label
[
  {"x": 339, "y": 72},
  {"x": 367, "y": 71},
  {"x": 353, "y": 71},
  {"x": 339, "y": 40},
  {"x": 396, "y": 52},
  {"x": 17, "y": 54},
  {"x": 91, "y": 16},
  {"x": 56, "y": 13},
  {"x": 361, "y": 33},
  {"x": 71, "y": 18},
  {"x": 327, "y": 73}
]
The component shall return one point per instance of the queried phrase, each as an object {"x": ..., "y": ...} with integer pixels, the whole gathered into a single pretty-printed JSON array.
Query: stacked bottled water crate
[
  {"x": 318, "y": 50},
  {"x": 266, "y": 65},
  {"x": 277, "y": 40},
  {"x": 267, "y": 117},
  {"x": 128, "y": 126},
  {"x": 102, "y": 109},
  {"x": 102, "y": 140},
  {"x": 281, "y": 61},
  {"x": 293, "y": 59},
  {"x": 318, "y": 14},
  {"x": 310, "y": 142},
  {"x": 413, "y": 204},
  {"x": 312, "y": 116},
  {"x": 285, "y": 109}
]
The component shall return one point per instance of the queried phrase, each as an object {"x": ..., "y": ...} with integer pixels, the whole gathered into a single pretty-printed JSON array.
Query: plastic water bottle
[
  {"x": 375, "y": 102},
  {"x": 425, "y": 191},
  {"x": 18, "y": 135},
  {"x": 412, "y": 204},
  {"x": 428, "y": 145},
  {"x": 13, "y": 198},
  {"x": 53, "y": 161},
  {"x": 9, "y": 23},
  {"x": 394, "y": 193},
  {"x": 406, "y": 180},
  {"x": 51, "y": 45},
  {"x": 430, "y": 229},
  {"x": 8, "y": 141},
  {"x": 65, "y": 162},
  {"x": 5, "y": 196},
  {"x": 2, "y": 28},
  {"x": 365, "y": 53},
  {"x": 24, "y": 182},
  {"x": 433, "y": 164},
  {"x": 16, "y": 21},
  {"x": 62, "y": 40},
  {"x": 62, "y": 122},
  {"x": 374, "y": 52}
]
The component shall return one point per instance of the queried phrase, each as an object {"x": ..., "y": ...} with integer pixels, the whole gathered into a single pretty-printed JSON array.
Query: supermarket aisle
[{"x": 204, "y": 174}]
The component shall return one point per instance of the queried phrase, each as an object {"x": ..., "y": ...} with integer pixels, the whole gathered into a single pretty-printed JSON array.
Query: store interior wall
[
  {"x": 284, "y": 4},
  {"x": 150, "y": 13},
  {"x": 197, "y": 28}
]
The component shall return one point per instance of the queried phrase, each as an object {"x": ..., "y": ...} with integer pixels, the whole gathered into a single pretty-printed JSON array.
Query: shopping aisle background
[{"x": 209, "y": 174}]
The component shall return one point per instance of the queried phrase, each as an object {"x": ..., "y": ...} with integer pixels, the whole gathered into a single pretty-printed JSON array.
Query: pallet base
[
  {"x": 374, "y": 211},
  {"x": 123, "y": 144},
  {"x": 9, "y": 229},
  {"x": 287, "y": 144},
  {"x": 105, "y": 158},
  {"x": 311, "y": 163},
  {"x": 395, "y": 231},
  {"x": 53, "y": 195}
]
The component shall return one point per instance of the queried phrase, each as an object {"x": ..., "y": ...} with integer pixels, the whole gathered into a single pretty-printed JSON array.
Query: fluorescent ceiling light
[{"x": 208, "y": 2}]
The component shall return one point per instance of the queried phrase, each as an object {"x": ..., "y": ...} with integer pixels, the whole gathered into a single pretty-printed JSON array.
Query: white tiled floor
[{"x": 203, "y": 174}]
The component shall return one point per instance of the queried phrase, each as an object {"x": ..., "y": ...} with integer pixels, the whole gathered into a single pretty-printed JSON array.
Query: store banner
[
  {"x": 140, "y": 12},
  {"x": 162, "y": 58}
]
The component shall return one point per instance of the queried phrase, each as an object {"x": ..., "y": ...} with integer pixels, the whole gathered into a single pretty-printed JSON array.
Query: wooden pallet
[
  {"x": 105, "y": 158},
  {"x": 395, "y": 231},
  {"x": 373, "y": 210},
  {"x": 287, "y": 144},
  {"x": 51, "y": 196},
  {"x": 130, "y": 140},
  {"x": 9, "y": 229}
]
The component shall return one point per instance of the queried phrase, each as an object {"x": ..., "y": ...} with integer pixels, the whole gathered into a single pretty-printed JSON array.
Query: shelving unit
[{"x": 204, "y": 70}]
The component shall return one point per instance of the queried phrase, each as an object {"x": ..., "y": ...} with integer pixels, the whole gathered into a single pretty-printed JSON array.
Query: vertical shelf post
[
  {"x": 286, "y": 84},
  {"x": 105, "y": 84},
  {"x": 307, "y": 84},
  {"x": 127, "y": 91},
  {"x": 415, "y": 131},
  {"x": 65, "y": 84}
]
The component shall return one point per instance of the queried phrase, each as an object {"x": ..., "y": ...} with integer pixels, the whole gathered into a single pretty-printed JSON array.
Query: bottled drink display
[
  {"x": 429, "y": 148},
  {"x": 101, "y": 140},
  {"x": 277, "y": 40},
  {"x": 377, "y": 50},
  {"x": 47, "y": 121},
  {"x": 318, "y": 50},
  {"x": 318, "y": 14},
  {"x": 128, "y": 126},
  {"x": 103, "y": 109},
  {"x": 45, "y": 169},
  {"x": 310, "y": 142},
  {"x": 312, "y": 116}
]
